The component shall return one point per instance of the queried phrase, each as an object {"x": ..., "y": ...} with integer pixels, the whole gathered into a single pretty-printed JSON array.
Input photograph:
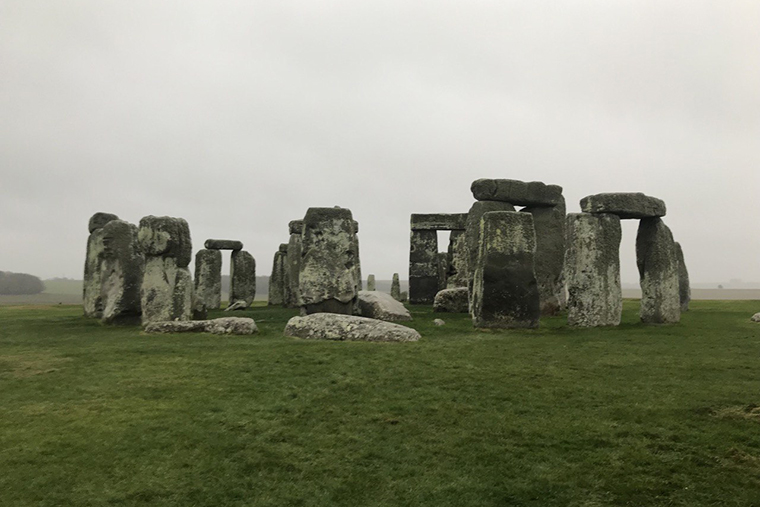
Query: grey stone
[
  {"x": 277, "y": 279},
  {"x": 755, "y": 317},
  {"x": 505, "y": 292},
  {"x": 438, "y": 221},
  {"x": 223, "y": 244},
  {"x": 381, "y": 306},
  {"x": 328, "y": 274},
  {"x": 423, "y": 267},
  {"x": 221, "y": 326},
  {"x": 175, "y": 326},
  {"x": 396, "y": 288},
  {"x": 593, "y": 270},
  {"x": 166, "y": 292},
  {"x": 92, "y": 299},
  {"x": 166, "y": 237},
  {"x": 99, "y": 220},
  {"x": 520, "y": 193},
  {"x": 292, "y": 294},
  {"x": 455, "y": 300},
  {"x": 121, "y": 272},
  {"x": 283, "y": 248},
  {"x": 404, "y": 297},
  {"x": 624, "y": 205},
  {"x": 657, "y": 261},
  {"x": 208, "y": 279},
  {"x": 443, "y": 270},
  {"x": 295, "y": 227},
  {"x": 237, "y": 305},
  {"x": 549, "y": 223},
  {"x": 684, "y": 287},
  {"x": 458, "y": 259},
  {"x": 328, "y": 326},
  {"x": 242, "y": 277},
  {"x": 439, "y": 322},
  {"x": 371, "y": 282},
  {"x": 472, "y": 235}
]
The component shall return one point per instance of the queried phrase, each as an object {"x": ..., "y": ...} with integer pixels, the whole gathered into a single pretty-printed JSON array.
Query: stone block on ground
[
  {"x": 455, "y": 300},
  {"x": 381, "y": 306},
  {"x": 330, "y": 326},
  {"x": 755, "y": 317},
  {"x": 624, "y": 204},
  {"x": 520, "y": 193},
  {"x": 221, "y": 326},
  {"x": 657, "y": 261}
]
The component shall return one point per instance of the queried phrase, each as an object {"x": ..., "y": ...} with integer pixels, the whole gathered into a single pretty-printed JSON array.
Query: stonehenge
[
  {"x": 329, "y": 326},
  {"x": 381, "y": 306},
  {"x": 292, "y": 293},
  {"x": 92, "y": 300},
  {"x": 242, "y": 278},
  {"x": 278, "y": 279},
  {"x": 657, "y": 260},
  {"x": 208, "y": 279}
]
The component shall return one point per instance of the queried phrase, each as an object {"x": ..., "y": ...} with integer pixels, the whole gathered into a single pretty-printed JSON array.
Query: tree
[{"x": 19, "y": 283}]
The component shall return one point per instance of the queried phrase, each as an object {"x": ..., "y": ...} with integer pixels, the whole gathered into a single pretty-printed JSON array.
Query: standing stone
[
  {"x": 657, "y": 261},
  {"x": 242, "y": 277},
  {"x": 121, "y": 272},
  {"x": 91, "y": 288},
  {"x": 277, "y": 280},
  {"x": 684, "y": 287},
  {"x": 293, "y": 265},
  {"x": 99, "y": 220},
  {"x": 396, "y": 288},
  {"x": 357, "y": 258},
  {"x": 472, "y": 235},
  {"x": 550, "y": 253},
  {"x": 443, "y": 270},
  {"x": 593, "y": 270},
  {"x": 167, "y": 288},
  {"x": 505, "y": 292},
  {"x": 328, "y": 276},
  {"x": 458, "y": 254},
  {"x": 371, "y": 282},
  {"x": 208, "y": 279},
  {"x": 423, "y": 267}
]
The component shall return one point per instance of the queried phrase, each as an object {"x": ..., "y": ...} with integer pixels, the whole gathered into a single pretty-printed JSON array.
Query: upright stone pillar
[
  {"x": 657, "y": 261},
  {"x": 443, "y": 270},
  {"x": 242, "y": 277},
  {"x": 396, "y": 288},
  {"x": 121, "y": 272},
  {"x": 357, "y": 258},
  {"x": 505, "y": 292},
  {"x": 293, "y": 265},
  {"x": 458, "y": 254},
  {"x": 423, "y": 267},
  {"x": 472, "y": 233},
  {"x": 167, "y": 288},
  {"x": 277, "y": 280},
  {"x": 328, "y": 276},
  {"x": 684, "y": 287},
  {"x": 91, "y": 288},
  {"x": 593, "y": 270},
  {"x": 550, "y": 254},
  {"x": 208, "y": 279},
  {"x": 371, "y": 282}
]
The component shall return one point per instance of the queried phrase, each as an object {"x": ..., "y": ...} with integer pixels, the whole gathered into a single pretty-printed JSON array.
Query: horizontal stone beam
[
  {"x": 223, "y": 244},
  {"x": 520, "y": 193},
  {"x": 439, "y": 221},
  {"x": 624, "y": 205}
]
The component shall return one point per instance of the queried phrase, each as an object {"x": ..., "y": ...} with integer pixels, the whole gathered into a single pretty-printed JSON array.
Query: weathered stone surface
[
  {"x": 520, "y": 193},
  {"x": 439, "y": 322},
  {"x": 423, "y": 267},
  {"x": 224, "y": 325},
  {"x": 404, "y": 297},
  {"x": 549, "y": 223},
  {"x": 657, "y": 261},
  {"x": 396, "y": 288},
  {"x": 458, "y": 258},
  {"x": 223, "y": 244},
  {"x": 295, "y": 227},
  {"x": 624, "y": 205},
  {"x": 208, "y": 278},
  {"x": 167, "y": 291},
  {"x": 292, "y": 271},
  {"x": 443, "y": 270},
  {"x": 328, "y": 326},
  {"x": 166, "y": 237},
  {"x": 381, "y": 306},
  {"x": 755, "y": 317},
  {"x": 371, "y": 285},
  {"x": 99, "y": 220},
  {"x": 328, "y": 276},
  {"x": 236, "y": 305},
  {"x": 455, "y": 300},
  {"x": 438, "y": 221},
  {"x": 121, "y": 272},
  {"x": 684, "y": 287},
  {"x": 277, "y": 279},
  {"x": 472, "y": 235},
  {"x": 92, "y": 300},
  {"x": 593, "y": 270},
  {"x": 505, "y": 292},
  {"x": 242, "y": 277}
]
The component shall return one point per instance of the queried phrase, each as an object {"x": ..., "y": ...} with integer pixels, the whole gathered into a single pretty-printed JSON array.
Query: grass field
[{"x": 637, "y": 415}]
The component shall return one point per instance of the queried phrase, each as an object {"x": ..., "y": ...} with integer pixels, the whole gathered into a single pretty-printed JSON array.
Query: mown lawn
[{"x": 636, "y": 415}]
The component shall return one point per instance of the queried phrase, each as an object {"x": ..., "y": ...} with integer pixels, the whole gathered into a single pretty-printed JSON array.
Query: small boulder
[
  {"x": 231, "y": 325},
  {"x": 237, "y": 305},
  {"x": 381, "y": 306},
  {"x": 756, "y": 317},
  {"x": 439, "y": 322},
  {"x": 456, "y": 300},
  {"x": 332, "y": 326}
]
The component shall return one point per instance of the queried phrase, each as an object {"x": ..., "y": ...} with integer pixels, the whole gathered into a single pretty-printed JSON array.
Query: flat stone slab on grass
[
  {"x": 624, "y": 205},
  {"x": 223, "y": 244},
  {"x": 520, "y": 193},
  {"x": 756, "y": 317},
  {"x": 381, "y": 306},
  {"x": 456, "y": 300},
  {"x": 333, "y": 326},
  {"x": 224, "y": 325}
]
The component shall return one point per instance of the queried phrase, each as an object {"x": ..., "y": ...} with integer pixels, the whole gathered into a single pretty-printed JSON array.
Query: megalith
[
  {"x": 371, "y": 282},
  {"x": 423, "y": 266},
  {"x": 519, "y": 193},
  {"x": 277, "y": 280},
  {"x": 293, "y": 265},
  {"x": 242, "y": 278},
  {"x": 121, "y": 272},
  {"x": 328, "y": 273},
  {"x": 657, "y": 260},
  {"x": 92, "y": 286},
  {"x": 505, "y": 291},
  {"x": 684, "y": 287},
  {"x": 472, "y": 231},
  {"x": 167, "y": 288},
  {"x": 396, "y": 288},
  {"x": 208, "y": 279},
  {"x": 624, "y": 204},
  {"x": 443, "y": 270},
  {"x": 458, "y": 255},
  {"x": 593, "y": 270}
]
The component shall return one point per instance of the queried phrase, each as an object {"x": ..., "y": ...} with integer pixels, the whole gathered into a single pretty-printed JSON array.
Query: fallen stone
[
  {"x": 330, "y": 326},
  {"x": 166, "y": 237},
  {"x": 176, "y": 326},
  {"x": 505, "y": 292},
  {"x": 439, "y": 322},
  {"x": 756, "y": 317},
  {"x": 455, "y": 300},
  {"x": 237, "y": 305},
  {"x": 657, "y": 261},
  {"x": 242, "y": 277},
  {"x": 222, "y": 326},
  {"x": 208, "y": 279},
  {"x": 381, "y": 306},
  {"x": 549, "y": 223},
  {"x": 122, "y": 268},
  {"x": 99, "y": 220},
  {"x": 371, "y": 285},
  {"x": 520, "y": 193},
  {"x": 223, "y": 244},
  {"x": 592, "y": 270},
  {"x": 438, "y": 221},
  {"x": 396, "y": 288},
  {"x": 684, "y": 287},
  {"x": 624, "y": 205}
]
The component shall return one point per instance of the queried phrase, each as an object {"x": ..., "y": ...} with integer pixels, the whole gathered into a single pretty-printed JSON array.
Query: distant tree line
[{"x": 19, "y": 283}]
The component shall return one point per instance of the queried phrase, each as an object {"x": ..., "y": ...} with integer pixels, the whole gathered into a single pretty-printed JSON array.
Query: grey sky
[{"x": 238, "y": 116}]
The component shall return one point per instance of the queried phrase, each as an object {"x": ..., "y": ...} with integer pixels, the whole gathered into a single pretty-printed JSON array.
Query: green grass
[{"x": 636, "y": 415}]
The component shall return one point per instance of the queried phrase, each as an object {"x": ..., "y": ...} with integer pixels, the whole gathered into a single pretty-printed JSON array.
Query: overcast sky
[{"x": 238, "y": 116}]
